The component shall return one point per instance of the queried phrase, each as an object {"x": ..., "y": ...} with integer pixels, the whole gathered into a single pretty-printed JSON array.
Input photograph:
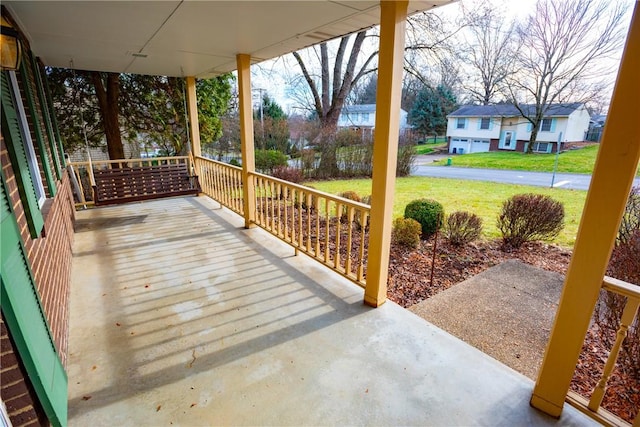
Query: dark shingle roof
[{"x": 509, "y": 110}]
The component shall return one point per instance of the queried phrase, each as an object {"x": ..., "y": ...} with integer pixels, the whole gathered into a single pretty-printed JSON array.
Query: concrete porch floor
[{"x": 179, "y": 316}]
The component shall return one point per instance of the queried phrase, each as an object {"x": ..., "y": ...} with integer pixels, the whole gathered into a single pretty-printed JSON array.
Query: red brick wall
[
  {"x": 50, "y": 254},
  {"x": 16, "y": 392}
]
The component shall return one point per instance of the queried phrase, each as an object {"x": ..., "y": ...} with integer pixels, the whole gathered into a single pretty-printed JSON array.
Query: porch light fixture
[{"x": 10, "y": 47}]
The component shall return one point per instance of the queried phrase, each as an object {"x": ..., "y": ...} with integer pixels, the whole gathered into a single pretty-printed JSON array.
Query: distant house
[
  {"x": 480, "y": 128},
  {"x": 363, "y": 118}
]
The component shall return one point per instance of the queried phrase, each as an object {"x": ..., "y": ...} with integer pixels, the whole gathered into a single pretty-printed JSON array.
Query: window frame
[
  {"x": 32, "y": 158},
  {"x": 461, "y": 121},
  {"x": 545, "y": 120},
  {"x": 482, "y": 122}
]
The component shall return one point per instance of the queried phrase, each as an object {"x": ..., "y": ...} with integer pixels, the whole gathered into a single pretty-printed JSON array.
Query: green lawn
[
  {"x": 482, "y": 198},
  {"x": 572, "y": 161},
  {"x": 429, "y": 147}
]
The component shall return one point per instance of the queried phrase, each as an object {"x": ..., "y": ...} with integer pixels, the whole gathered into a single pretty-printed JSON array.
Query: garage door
[
  {"x": 479, "y": 146},
  {"x": 459, "y": 145}
]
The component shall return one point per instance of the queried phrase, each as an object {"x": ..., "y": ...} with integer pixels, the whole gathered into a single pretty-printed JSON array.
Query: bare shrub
[
  {"x": 288, "y": 173},
  {"x": 462, "y": 228},
  {"x": 631, "y": 217},
  {"x": 351, "y": 195},
  {"x": 406, "y": 232},
  {"x": 406, "y": 155},
  {"x": 526, "y": 217},
  {"x": 624, "y": 265}
]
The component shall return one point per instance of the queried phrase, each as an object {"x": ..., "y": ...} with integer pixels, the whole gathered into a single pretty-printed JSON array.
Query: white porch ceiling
[{"x": 185, "y": 38}]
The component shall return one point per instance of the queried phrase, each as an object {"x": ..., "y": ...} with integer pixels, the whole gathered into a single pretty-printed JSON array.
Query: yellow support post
[
  {"x": 611, "y": 182},
  {"x": 192, "y": 108},
  {"x": 246, "y": 138},
  {"x": 393, "y": 15}
]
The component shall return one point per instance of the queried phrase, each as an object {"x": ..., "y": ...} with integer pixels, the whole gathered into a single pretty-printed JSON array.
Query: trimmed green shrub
[
  {"x": 268, "y": 160},
  {"x": 462, "y": 227},
  {"x": 429, "y": 213},
  {"x": 406, "y": 232},
  {"x": 526, "y": 217},
  {"x": 234, "y": 162}
]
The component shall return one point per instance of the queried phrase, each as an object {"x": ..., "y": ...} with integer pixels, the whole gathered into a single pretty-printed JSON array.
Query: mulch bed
[{"x": 410, "y": 282}]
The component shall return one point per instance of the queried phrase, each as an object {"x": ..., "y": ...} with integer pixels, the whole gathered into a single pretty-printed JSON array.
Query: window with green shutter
[{"x": 17, "y": 137}]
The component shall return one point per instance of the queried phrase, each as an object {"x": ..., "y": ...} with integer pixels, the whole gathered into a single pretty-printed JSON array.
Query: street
[{"x": 541, "y": 179}]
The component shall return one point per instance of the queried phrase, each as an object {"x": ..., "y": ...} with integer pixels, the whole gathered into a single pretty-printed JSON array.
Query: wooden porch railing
[
  {"x": 222, "y": 182},
  {"x": 591, "y": 406},
  {"x": 330, "y": 229}
]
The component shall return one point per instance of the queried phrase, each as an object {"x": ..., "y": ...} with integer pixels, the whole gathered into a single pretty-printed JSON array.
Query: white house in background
[
  {"x": 363, "y": 118},
  {"x": 480, "y": 128}
]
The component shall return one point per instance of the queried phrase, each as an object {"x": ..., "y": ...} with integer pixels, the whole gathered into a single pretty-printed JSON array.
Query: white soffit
[{"x": 185, "y": 38}]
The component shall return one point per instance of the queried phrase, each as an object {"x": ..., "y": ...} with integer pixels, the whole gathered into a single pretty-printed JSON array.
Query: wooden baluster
[
  {"x": 363, "y": 218},
  {"x": 278, "y": 208},
  {"x": 629, "y": 313},
  {"x": 347, "y": 263},
  {"x": 317, "y": 206},
  {"x": 309, "y": 200},
  {"x": 240, "y": 191},
  {"x": 336, "y": 263},
  {"x": 285, "y": 204},
  {"x": 300, "y": 225},
  {"x": 327, "y": 223},
  {"x": 260, "y": 190}
]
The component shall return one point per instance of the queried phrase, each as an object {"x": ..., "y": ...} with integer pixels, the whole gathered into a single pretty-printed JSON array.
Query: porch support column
[
  {"x": 192, "y": 108},
  {"x": 393, "y": 15},
  {"x": 612, "y": 178},
  {"x": 246, "y": 138}
]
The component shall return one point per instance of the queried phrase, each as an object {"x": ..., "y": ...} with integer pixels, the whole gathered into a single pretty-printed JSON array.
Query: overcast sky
[{"x": 274, "y": 76}]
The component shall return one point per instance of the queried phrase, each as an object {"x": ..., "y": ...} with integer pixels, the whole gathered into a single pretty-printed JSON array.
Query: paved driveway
[{"x": 542, "y": 179}]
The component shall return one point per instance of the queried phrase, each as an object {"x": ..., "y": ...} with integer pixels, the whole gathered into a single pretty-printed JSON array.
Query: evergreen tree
[
  {"x": 271, "y": 129},
  {"x": 429, "y": 112}
]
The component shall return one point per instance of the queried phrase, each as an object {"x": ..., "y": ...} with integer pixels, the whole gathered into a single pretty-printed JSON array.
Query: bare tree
[
  {"x": 488, "y": 47},
  {"x": 564, "y": 48},
  {"x": 330, "y": 92}
]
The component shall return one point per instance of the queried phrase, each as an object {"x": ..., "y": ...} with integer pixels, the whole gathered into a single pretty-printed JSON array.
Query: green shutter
[
  {"x": 15, "y": 145},
  {"x": 26, "y": 321},
  {"x": 46, "y": 114},
  {"x": 33, "y": 111},
  {"x": 52, "y": 115}
]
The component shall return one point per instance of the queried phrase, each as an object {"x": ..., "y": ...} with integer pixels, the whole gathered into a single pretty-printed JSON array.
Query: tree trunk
[
  {"x": 533, "y": 137},
  {"x": 108, "y": 102}
]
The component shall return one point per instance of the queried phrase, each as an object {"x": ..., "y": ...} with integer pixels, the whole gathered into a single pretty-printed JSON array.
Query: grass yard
[
  {"x": 429, "y": 147},
  {"x": 482, "y": 198},
  {"x": 573, "y": 161}
]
